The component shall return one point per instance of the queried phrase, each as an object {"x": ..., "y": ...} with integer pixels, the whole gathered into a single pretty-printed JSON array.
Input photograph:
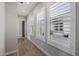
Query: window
[
  {"x": 60, "y": 25},
  {"x": 60, "y": 18}
]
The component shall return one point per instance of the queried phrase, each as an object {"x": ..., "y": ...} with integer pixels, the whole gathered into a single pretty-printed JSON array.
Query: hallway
[{"x": 39, "y": 28}]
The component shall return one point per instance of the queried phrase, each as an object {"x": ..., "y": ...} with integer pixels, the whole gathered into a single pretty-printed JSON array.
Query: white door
[
  {"x": 41, "y": 24},
  {"x": 20, "y": 28},
  {"x": 42, "y": 29}
]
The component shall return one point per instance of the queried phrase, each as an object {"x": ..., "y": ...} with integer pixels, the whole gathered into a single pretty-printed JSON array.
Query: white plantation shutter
[
  {"x": 57, "y": 9},
  {"x": 60, "y": 25},
  {"x": 60, "y": 13}
]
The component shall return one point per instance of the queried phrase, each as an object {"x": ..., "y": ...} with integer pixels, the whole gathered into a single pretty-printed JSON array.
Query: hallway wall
[{"x": 11, "y": 26}]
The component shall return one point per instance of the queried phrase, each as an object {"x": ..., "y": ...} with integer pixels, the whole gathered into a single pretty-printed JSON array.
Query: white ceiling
[{"x": 24, "y": 8}]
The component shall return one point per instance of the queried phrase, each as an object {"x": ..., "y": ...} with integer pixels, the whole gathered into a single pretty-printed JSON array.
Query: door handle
[
  {"x": 43, "y": 34},
  {"x": 51, "y": 32}
]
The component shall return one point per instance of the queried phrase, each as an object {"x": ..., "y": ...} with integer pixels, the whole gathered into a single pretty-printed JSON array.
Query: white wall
[
  {"x": 2, "y": 28},
  {"x": 11, "y": 26}
]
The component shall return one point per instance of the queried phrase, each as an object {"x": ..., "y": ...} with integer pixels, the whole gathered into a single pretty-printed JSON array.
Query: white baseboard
[{"x": 8, "y": 53}]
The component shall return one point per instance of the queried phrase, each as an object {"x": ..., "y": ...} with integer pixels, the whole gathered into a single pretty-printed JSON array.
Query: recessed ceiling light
[
  {"x": 24, "y": 11},
  {"x": 28, "y": 2}
]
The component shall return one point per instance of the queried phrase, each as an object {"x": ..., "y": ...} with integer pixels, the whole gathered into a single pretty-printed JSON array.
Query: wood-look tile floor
[{"x": 27, "y": 48}]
